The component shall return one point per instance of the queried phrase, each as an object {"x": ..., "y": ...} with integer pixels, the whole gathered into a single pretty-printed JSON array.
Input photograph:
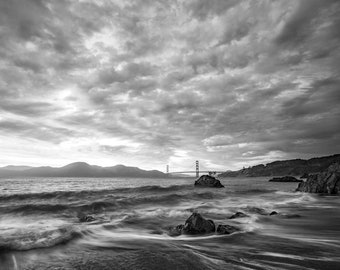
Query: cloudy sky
[{"x": 148, "y": 83}]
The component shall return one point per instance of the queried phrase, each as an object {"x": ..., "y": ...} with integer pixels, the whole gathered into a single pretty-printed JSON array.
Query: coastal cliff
[
  {"x": 324, "y": 182},
  {"x": 295, "y": 167}
]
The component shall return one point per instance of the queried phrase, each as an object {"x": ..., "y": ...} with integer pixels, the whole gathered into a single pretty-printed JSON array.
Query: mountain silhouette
[{"x": 79, "y": 169}]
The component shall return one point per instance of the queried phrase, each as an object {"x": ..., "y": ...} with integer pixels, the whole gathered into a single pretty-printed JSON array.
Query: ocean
[{"x": 40, "y": 229}]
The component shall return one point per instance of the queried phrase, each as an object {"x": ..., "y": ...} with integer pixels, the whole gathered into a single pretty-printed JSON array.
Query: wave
[
  {"x": 254, "y": 191},
  {"x": 299, "y": 198},
  {"x": 110, "y": 202},
  {"x": 35, "y": 240},
  {"x": 85, "y": 193},
  {"x": 27, "y": 208}
]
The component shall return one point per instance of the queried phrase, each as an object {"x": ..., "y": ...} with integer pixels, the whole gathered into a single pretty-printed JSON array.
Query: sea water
[{"x": 40, "y": 228}]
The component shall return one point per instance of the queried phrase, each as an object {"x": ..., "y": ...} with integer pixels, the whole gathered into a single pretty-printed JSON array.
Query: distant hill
[
  {"x": 296, "y": 167},
  {"x": 79, "y": 169},
  {"x": 16, "y": 168}
]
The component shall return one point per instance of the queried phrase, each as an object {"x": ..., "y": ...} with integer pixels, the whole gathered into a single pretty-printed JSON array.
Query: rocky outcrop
[
  {"x": 285, "y": 179},
  {"x": 208, "y": 181},
  {"x": 286, "y": 167},
  {"x": 325, "y": 182}
]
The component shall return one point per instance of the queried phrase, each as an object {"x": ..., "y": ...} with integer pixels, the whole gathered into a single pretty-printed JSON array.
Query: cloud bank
[{"x": 150, "y": 83}]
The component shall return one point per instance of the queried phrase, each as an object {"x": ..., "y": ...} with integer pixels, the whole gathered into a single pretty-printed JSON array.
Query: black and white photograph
[{"x": 170, "y": 134}]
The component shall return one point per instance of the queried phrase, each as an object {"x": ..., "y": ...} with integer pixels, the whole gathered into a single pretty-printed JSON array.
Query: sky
[{"x": 148, "y": 83}]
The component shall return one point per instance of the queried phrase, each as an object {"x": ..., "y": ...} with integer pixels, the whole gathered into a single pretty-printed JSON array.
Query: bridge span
[{"x": 197, "y": 171}]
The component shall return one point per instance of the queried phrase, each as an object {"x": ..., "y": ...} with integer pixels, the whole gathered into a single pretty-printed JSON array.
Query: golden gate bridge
[{"x": 197, "y": 171}]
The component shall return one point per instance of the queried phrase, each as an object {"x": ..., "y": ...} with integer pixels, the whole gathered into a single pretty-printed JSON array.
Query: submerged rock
[
  {"x": 176, "y": 231},
  {"x": 238, "y": 215},
  {"x": 208, "y": 181},
  {"x": 324, "y": 182},
  {"x": 85, "y": 218},
  {"x": 257, "y": 210},
  {"x": 285, "y": 179},
  {"x": 226, "y": 229},
  {"x": 261, "y": 211}
]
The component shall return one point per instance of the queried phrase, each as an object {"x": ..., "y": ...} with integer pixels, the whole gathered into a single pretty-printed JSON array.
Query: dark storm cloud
[
  {"x": 157, "y": 82},
  {"x": 36, "y": 131},
  {"x": 28, "y": 64},
  {"x": 27, "y": 108},
  {"x": 128, "y": 72},
  {"x": 321, "y": 98},
  {"x": 15, "y": 126},
  {"x": 303, "y": 22},
  {"x": 202, "y": 8}
]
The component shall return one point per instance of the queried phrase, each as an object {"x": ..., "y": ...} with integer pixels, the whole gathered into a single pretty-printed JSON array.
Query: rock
[
  {"x": 304, "y": 176},
  {"x": 85, "y": 218},
  {"x": 324, "y": 182},
  {"x": 285, "y": 179},
  {"x": 226, "y": 229},
  {"x": 196, "y": 224},
  {"x": 208, "y": 181},
  {"x": 238, "y": 215},
  {"x": 273, "y": 213},
  {"x": 176, "y": 231}
]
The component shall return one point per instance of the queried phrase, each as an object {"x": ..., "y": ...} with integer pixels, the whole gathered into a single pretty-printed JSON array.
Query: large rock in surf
[
  {"x": 325, "y": 182},
  {"x": 208, "y": 181},
  {"x": 285, "y": 179},
  {"x": 196, "y": 224}
]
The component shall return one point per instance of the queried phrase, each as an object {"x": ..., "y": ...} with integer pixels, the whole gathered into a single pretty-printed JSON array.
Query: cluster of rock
[
  {"x": 285, "y": 179},
  {"x": 196, "y": 224},
  {"x": 324, "y": 182},
  {"x": 208, "y": 181}
]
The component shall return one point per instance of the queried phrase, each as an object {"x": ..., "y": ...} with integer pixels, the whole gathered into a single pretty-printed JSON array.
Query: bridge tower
[
  {"x": 197, "y": 169},
  {"x": 167, "y": 168}
]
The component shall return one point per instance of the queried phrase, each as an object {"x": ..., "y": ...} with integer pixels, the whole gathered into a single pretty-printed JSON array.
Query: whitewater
[{"x": 40, "y": 227}]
